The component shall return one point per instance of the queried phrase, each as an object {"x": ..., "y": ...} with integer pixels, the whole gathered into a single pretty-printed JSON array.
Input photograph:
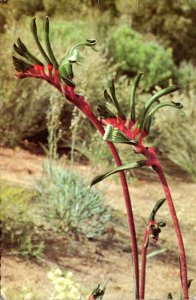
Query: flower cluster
[{"x": 65, "y": 286}]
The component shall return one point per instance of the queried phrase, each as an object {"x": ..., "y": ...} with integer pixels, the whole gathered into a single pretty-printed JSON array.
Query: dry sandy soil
[{"x": 92, "y": 261}]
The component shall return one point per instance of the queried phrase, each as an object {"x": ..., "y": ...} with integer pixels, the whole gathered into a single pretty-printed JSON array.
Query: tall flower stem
[
  {"x": 152, "y": 161},
  {"x": 143, "y": 264},
  {"x": 82, "y": 104},
  {"x": 182, "y": 256}
]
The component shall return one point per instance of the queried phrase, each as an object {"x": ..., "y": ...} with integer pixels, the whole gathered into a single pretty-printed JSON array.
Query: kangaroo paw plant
[{"x": 116, "y": 127}]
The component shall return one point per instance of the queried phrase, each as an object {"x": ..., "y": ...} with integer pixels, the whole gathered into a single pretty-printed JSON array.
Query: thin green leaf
[
  {"x": 104, "y": 175},
  {"x": 132, "y": 97},
  {"x": 155, "y": 253}
]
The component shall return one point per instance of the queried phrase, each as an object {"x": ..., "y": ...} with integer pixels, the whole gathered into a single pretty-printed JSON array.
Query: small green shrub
[
  {"x": 69, "y": 204},
  {"x": 18, "y": 229},
  {"x": 135, "y": 54}
]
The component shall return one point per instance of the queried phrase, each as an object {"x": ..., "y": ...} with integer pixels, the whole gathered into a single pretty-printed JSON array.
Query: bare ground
[{"x": 92, "y": 261}]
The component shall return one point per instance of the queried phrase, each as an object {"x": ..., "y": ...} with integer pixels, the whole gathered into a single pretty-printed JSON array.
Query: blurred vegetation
[
  {"x": 134, "y": 54},
  {"x": 18, "y": 228},
  {"x": 154, "y": 37}
]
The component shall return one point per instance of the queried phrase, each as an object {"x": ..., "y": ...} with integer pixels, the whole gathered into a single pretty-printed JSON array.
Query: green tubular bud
[
  {"x": 132, "y": 97},
  {"x": 23, "y": 54},
  {"x": 169, "y": 296},
  {"x": 148, "y": 119},
  {"x": 73, "y": 56},
  {"x": 107, "y": 97},
  {"x": 91, "y": 43},
  {"x": 47, "y": 43},
  {"x": 20, "y": 52},
  {"x": 156, "y": 208},
  {"x": 108, "y": 132},
  {"x": 161, "y": 224},
  {"x": 104, "y": 112},
  {"x": 42, "y": 51},
  {"x": 21, "y": 65},
  {"x": 30, "y": 56},
  {"x": 189, "y": 284},
  {"x": 115, "y": 101},
  {"x": 153, "y": 99},
  {"x": 69, "y": 82},
  {"x": 87, "y": 43},
  {"x": 104, "y": 175},
  {"x": 115, "y": 136}
]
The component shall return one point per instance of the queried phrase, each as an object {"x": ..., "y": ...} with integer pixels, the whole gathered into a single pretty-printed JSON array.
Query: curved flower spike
[{"x": 115, "y": 136}]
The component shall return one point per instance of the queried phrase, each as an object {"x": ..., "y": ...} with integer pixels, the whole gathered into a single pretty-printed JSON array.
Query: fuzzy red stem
[
  {"x": 143, "y": 264},
  {"x": 153, "y": 162},
  {"x": 80, "y": 102},
  {"x": 182, "y": 256}
]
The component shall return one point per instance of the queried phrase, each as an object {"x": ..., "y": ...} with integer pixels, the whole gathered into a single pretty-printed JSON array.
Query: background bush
[
  {"x": 70, "y": 204},
  {"x": 134, "y": 54},
  {"x": 172, "y": 23},
  {"x": 179, "y": 145},
  {"x": 18, "y": 229}
]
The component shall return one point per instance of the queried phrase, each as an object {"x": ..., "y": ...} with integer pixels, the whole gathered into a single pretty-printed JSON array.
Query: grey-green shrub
[
  {"x": 70, "y": 204},
  {"x": 137, "y": 55}
]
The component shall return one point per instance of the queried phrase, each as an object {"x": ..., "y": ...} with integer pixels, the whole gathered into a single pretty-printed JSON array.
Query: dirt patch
[{"x": 91, "y": 261}]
